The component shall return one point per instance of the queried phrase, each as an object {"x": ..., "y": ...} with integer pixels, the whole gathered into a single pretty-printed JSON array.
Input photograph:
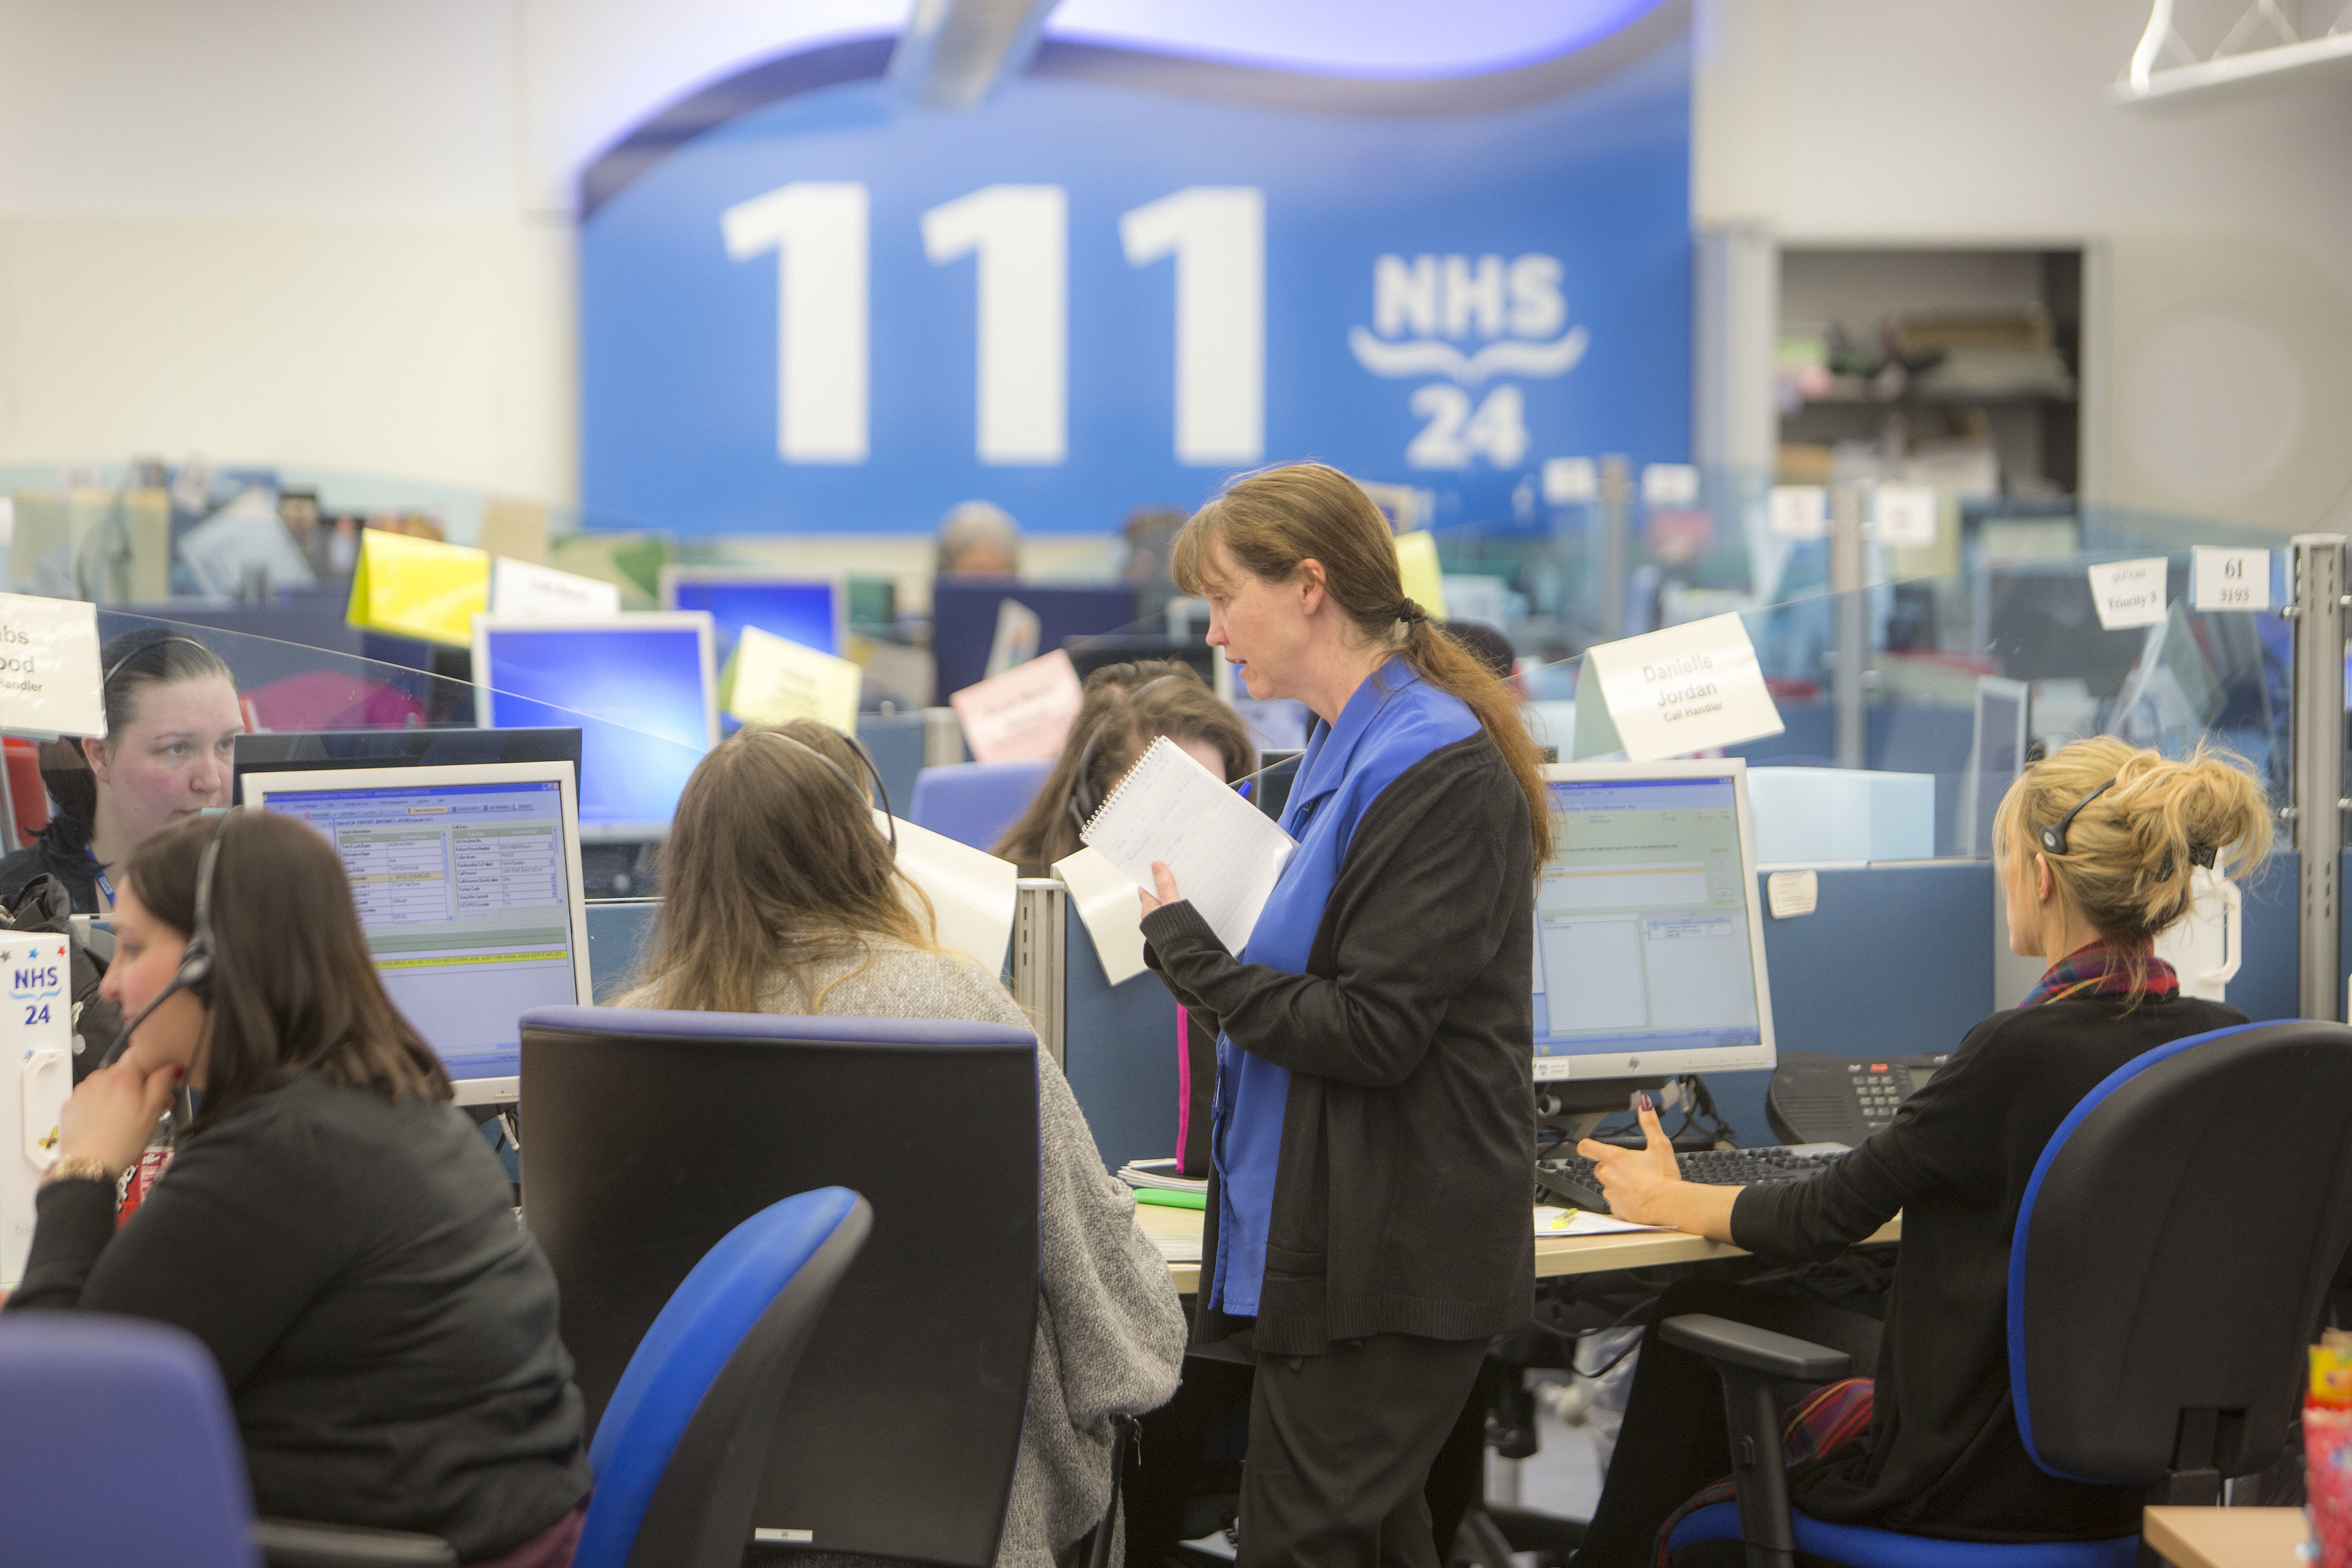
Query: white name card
[
  {"x": 1905, "y": 515},
  {"x": 1567, "y": 480},
  {"x": 1670, "y": 484},
  {"x": 1684, "y": 689},
  {"x": 774, "y": 680},
  {"x": 48, "y": 667},
  {"x": 2128, "y": 592},
  {"x": 1800, "y": 512},
  {"x": 1793, "y": 893},
  {"x": 1023, "y": 713},
  {"x": 2228, "y": 579},
  {"x": 542, "y": 594}
]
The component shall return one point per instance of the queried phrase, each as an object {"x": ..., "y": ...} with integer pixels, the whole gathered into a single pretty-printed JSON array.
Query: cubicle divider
[
  {"x": 895, "y": 742},
  {"x": 1117, "y": 1044},
  {"x": 617, "y": 930}
]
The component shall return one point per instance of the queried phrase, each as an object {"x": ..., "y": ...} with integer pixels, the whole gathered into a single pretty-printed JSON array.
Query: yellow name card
[
  {"x": 773, "y": 680},
  {"x": 418, "y": 587}
]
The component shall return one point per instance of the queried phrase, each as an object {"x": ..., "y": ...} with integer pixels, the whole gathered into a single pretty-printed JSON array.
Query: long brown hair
[
  {"x": 2131, "y": 850},
  {"x": 1119, "y": 718},
  {"x": 1272, "y": 520},
  {"x": 773, "y": 863},
  {"x": 292, "y": 987}
]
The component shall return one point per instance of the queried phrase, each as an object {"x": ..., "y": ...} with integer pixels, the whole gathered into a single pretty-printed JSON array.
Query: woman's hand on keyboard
[{"x": 1637, "y": 1182}]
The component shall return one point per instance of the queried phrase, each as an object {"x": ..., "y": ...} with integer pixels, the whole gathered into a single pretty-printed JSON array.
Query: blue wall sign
[{"x": 809, "y": 306}]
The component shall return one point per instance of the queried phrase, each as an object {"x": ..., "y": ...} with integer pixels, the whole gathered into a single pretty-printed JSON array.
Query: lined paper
[{"x": 1227, "y": 855}]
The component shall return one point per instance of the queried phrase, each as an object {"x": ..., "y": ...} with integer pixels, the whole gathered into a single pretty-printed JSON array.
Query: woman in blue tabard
[{"x": 1374, "y": 1128}]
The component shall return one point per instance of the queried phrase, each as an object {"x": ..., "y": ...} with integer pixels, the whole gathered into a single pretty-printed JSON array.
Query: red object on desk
[{"x": 28, "y": 798}]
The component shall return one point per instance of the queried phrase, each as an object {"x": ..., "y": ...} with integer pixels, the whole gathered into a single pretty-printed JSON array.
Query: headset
[
  {"x": 197, "y": 960},
  {"x": 847, "y": 782},
  {"x": 1083, "y": 802},
  {"x": 107, "y": 678},
  {"x": 2053, "y": 838}
]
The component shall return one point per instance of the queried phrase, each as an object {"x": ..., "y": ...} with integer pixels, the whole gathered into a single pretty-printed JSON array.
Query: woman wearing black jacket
[
  {"x": 2097, "y": 846},
  {"x": 1368, "y": 1228},
  {"x": 332, "y": 1228}
]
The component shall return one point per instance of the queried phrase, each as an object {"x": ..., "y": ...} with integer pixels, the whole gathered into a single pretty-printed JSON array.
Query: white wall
[{"x": 2222, "y": 350}]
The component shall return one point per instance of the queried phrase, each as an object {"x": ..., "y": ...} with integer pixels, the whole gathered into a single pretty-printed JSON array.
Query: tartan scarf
[{"x": 2099, "y": 970}]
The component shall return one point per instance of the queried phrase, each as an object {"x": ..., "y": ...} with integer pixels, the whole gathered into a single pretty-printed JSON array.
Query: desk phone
[{"x": 1821, "y": 1098}]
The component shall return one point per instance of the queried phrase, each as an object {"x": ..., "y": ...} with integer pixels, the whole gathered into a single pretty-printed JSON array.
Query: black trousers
[
  {"x": 1674, "y": 1439},
  {"x": 1340, "y": 1445}
]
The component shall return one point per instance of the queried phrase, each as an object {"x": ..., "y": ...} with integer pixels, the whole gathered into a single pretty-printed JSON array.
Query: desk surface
[
  {"x": 2226, "y": 1537},
  {"x": 1555, "y": 1255}
]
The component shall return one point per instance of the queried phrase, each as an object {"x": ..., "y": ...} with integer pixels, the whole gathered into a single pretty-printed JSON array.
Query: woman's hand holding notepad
[{"x": 1225, "y": 854}]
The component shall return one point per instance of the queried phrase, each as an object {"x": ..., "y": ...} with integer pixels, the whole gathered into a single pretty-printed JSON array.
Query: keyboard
[{"x": 1570, "y": 1179}]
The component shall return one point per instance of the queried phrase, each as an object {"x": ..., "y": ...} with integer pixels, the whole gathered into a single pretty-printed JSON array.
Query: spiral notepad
[{"x": 1227, "y": 855}]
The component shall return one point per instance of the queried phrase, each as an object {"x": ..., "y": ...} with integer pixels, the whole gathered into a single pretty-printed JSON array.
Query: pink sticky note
[{"x": 1022, "y": 714}]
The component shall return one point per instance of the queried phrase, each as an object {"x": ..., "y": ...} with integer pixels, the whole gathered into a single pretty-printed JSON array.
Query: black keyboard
[{"x": 1570, "y": 1180}]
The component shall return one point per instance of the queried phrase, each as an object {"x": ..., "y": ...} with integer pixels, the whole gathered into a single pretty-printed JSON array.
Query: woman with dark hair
[
  {"x": 331, "y": 1227},
  {"x": 1126, "y": 708},
  {"x": 1368, "y": 1227},
  {"x": 172, "y": 723},
  {"x": 783, "y": 897}
]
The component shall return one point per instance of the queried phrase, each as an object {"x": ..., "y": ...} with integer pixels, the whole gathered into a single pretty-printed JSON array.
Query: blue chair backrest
[
  {"x": 742, "y": 1316},
  {"x": 2174, "y": 1244},
  {"x": 655, "y": 1133},
  {"x": 117, "y": 1449},
  {"x": 974, "y": 803}
]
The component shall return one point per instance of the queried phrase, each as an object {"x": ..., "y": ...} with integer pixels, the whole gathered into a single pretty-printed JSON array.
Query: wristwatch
[{"x": 81, "y": 1168}]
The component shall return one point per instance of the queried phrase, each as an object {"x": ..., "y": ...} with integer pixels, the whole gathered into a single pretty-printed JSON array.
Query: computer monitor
[
  {"x": 810, "y": 611},
  {"x": 963, "y": 620},
  {"x": 1996, "y": 756},
  {"x": 467, "y": 884},
  {"x": 1649, "y": 944},
  {"x": 300, "y": 751},
  {"x": 642, "y": 682}
]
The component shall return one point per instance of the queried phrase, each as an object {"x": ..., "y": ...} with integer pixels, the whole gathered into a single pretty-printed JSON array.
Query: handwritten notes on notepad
[{"x": 1227, "y": 855}]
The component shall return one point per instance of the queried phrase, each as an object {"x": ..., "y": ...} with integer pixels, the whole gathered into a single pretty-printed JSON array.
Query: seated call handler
[
  {"x": 334, "y": 1229},
  {"x": 1367, "y": 1229},
  {"x": 783, "y": 897},
  {"x": 1126, "y": 708},
  {"x": 172, "y": 723},
  {"x": 2096, "y": 845}
]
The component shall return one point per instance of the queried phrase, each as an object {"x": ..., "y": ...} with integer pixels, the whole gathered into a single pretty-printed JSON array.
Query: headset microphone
[{"x": 197, "y": 960}]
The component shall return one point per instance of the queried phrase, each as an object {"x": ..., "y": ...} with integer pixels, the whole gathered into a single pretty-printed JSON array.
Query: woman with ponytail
[
  {"x": 1367, "y": 1225},
  {"x": 2097, "y": 847}
]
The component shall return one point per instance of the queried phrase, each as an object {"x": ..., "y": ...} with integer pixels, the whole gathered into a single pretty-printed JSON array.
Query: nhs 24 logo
[
  {"x": 35, "y": 980},
  {"x": 1471, "y": 320}
]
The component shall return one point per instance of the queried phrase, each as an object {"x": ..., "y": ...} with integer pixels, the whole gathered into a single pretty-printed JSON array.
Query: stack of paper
[
  {"x": 1225, "y": 854},
  {"x": 1160, "y": 1173}
]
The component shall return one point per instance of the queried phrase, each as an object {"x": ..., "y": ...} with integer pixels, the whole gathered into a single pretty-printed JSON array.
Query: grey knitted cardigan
[{"x": 1110, "y": 1332}]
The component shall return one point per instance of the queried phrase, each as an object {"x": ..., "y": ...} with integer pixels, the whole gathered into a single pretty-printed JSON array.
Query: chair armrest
[
  {"x": 1756, "y": 1350},
  {"x": 300, "y": 1543}
]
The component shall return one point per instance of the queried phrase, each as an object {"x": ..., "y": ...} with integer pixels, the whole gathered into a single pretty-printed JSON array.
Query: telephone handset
[{"x": 1815, "y": 1097}]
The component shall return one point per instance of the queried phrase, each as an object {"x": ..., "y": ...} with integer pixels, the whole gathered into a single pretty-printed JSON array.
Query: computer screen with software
[
  {"x": 639, "y": 688},
  {"x": 811, "y": 611},
  {"x": 1649, "y": 944},
  {"x": 467, "y": 885}
]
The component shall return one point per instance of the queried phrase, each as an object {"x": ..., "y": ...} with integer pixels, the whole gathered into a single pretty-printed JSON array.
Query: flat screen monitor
[
  {"x": 1996, "y": 756},
  {"x": 317, "y": 750},
  {"x": 467, "y": 885},
  {"x": 963, "y": 620},
  {"x": 638, "y": 687},
  {"x": 810, "y": 611},
  {"x": 1649, "y": 944}
]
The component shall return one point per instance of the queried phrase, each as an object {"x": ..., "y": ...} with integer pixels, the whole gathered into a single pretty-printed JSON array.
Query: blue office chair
[
  {"x": 649, "y": 1135},
  {"x": 683, "y": 1444},
  {"x": 2175, "y": 1242},
  {"x": 974, "y": 803},
  {"x": 118, "y": 1450}
]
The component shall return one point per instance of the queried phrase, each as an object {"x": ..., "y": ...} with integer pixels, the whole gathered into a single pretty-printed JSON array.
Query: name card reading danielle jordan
[
  {"x": 48, "y": 667},
  {"x": 1683, "y": 690}
]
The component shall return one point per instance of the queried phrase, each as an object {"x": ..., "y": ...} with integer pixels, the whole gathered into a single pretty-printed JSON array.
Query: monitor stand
[{"x": 1577, "y": 1105}]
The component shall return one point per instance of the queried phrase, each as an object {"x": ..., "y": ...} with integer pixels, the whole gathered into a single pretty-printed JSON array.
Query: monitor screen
[
  {"x": 313, "y": 750},
  {"x": 1649, "y": 949},
  {"x": 807, "y": 612},
  {"x": 466, "y": 882},
  {"x": 639, "y": 688}
]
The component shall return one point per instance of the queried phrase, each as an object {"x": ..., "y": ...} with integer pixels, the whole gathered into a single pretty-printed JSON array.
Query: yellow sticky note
[
  {"x": 419, "y": 587},
  {"x": 1417, "y": 562},
  {"x": 773, "y": 680}
]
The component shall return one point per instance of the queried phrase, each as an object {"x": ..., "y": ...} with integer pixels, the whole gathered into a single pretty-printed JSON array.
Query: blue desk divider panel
[
  {"x": 1895, "y": 959},
  {"x": 895, "y": 742},
  {"x": 2268, "y": 982},
  {"x": 1118, "y": 1051},
  {"x": 617, "y": 930}
]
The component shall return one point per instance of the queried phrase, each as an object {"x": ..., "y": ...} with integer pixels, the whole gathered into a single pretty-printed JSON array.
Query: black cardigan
[
  {"x": 1944, "y": 1456},
  {"x": 1401, "y": 1193},
  {"x": 386, "y": 1329}
]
